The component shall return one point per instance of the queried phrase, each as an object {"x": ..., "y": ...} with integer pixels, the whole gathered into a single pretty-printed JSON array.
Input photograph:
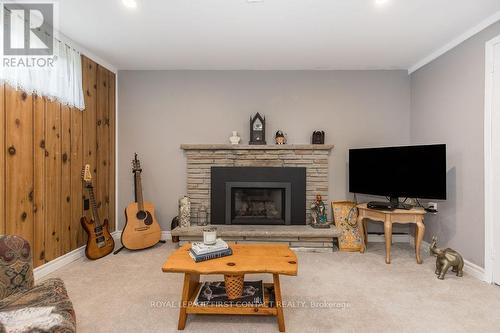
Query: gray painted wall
[
  {"x": 159, "y": 110},
  {"x": 447, "y": 105}
]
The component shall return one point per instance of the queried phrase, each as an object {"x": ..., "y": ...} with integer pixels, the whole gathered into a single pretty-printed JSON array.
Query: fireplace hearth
[{"x": 258, "y": 196}]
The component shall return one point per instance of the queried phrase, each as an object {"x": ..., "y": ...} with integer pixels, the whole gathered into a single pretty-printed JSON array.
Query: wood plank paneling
[
  {"x": 112, "y": 151},
  {"x": 77, "y": 232},
  {"x": 2, "y": 159},
  {"x": 89, "y": 73},
  {"x": 43, "y": 147},
  {"x": 39, "y": 180},
  {"x": 53, "y": 168},
  {"x": 19, "y": 164},
  {"x": 102, "y": 171},
  {"x": 65, "y": 179}
]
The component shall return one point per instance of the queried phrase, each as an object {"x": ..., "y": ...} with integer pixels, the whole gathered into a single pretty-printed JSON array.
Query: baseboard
[
  {"x": 79, "y": 253},
  {"x": 117, "y": 238},
  {"x": 397, "y": 238},
  {"x": 469, "y": 267},
  {"x": 59, "y": 262},
  {"x": 166, "y": 235}
]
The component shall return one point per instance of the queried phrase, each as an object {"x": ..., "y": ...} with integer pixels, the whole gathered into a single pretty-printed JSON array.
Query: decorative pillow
[{"x": 16, "y": 270}]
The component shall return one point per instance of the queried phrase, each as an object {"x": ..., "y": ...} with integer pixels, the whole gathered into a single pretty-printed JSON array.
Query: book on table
[
  {"x": 200, "y": 248},
  {"x": 212, "y": 255}
]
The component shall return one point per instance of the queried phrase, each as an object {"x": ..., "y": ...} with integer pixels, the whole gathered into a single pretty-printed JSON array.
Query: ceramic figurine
[
  {"x": 446, "y": 258},
  {"x": 184, "y": 212},
  {"x": 280, "y": 138},
  {"x": 318, "y": 213},
  {"x": 234, "y": 139}
]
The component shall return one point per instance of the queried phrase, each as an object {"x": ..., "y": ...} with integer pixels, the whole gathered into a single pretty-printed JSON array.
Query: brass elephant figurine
[{"x": 446, "y": 258}]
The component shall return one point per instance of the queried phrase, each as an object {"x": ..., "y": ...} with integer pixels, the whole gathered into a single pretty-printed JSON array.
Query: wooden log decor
[{"x": 42, "y": 153}]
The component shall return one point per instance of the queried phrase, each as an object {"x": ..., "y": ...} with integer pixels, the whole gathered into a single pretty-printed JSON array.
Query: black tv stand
[{"x": 392, "y": 204}]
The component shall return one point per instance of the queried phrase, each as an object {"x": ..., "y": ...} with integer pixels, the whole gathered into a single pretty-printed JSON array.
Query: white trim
[
  {"x": 166, "y": 235},
  {"x": 398, "y": 238},
  {"x": 117, "y": 237},
  {"x": 116, "y": 151},
  {"x": 59, "y": 262},
  {"x": 488, "y": 161},
  {"x": 469, "y": 267},
  {"x": 475, "y": 271},
  {"x": 77, "y": 254},
  {"x": 455, "y": 42}
]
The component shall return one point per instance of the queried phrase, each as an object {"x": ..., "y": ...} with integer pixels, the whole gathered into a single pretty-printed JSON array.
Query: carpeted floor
[{"x": 334, "y": 292}]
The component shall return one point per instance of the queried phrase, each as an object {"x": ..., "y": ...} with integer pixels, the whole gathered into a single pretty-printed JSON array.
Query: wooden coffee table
[{"x": 246, "y": 259}]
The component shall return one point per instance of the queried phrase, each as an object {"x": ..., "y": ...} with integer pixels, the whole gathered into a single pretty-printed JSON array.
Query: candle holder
[{"x": 209, "y": 235}]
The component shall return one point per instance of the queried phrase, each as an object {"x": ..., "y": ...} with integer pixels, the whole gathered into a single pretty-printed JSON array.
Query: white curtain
[{"x": 61, "y": 82}]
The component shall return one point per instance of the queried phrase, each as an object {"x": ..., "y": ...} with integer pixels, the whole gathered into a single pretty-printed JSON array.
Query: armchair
[{"x": 24, "y": 306}]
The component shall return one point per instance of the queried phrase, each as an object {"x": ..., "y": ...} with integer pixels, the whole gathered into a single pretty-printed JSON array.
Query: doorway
[{"x": 492, "y": 161}]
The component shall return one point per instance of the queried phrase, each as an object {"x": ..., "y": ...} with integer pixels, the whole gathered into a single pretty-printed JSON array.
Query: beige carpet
[{"x": 334, "y": 292}]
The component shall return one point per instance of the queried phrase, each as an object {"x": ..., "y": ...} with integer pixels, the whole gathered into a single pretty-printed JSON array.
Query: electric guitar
[
  {"x": 141, "y": 229},
  {"x": 99, "y": 242}
]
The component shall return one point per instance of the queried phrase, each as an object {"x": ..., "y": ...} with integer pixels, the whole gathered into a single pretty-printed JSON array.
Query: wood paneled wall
[{"x": 44, "y": 147}]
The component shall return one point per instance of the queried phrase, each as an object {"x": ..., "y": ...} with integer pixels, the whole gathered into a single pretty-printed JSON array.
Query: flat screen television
[{"x": 406, "y": 172}]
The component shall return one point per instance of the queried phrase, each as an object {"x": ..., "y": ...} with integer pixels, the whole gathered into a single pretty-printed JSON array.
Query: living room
[{"x": 299, "y": 166}]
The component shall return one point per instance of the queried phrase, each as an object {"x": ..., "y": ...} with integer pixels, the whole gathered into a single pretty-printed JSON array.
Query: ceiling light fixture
[
  {"x": 381, "y": 2},
  {"x": 132, "y": 4}
]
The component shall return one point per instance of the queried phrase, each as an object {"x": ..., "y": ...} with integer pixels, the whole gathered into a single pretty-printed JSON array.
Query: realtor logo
[{"x": 28, "y": 29}]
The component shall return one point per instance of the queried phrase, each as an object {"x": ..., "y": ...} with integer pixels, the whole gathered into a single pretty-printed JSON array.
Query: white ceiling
[{"x": 273, "y": 34}]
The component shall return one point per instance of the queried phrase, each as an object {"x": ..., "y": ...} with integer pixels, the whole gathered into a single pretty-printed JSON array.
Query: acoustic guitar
[
  {"x": 100, "y": 243},
  {"x": 141, "y": 229}
]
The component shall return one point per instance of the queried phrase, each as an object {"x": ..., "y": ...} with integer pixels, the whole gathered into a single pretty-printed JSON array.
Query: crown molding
[{"x": 455, "y": 42}]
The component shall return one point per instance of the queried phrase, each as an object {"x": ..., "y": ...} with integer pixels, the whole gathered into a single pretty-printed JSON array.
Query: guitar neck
[
  {"x": 138, "y": 191},
  {"x": 93, "y": 203}
]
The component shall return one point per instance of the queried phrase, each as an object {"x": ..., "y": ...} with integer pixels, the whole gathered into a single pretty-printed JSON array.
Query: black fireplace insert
[{"x": 256, "y": 195}]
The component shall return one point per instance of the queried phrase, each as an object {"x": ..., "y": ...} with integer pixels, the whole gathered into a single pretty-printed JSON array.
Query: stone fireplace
[
  {"x": 276, "y": 165},
  {"x": 258, "y": 193}
]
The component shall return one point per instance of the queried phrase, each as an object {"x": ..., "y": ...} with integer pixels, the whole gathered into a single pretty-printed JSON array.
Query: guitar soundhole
[{"x": 146, "y": 217}]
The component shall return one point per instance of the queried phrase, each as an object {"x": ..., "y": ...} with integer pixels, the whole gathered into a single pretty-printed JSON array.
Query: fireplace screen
[
  {"x": 252, "y": 205},
  {"x": 258, "y": 202}
]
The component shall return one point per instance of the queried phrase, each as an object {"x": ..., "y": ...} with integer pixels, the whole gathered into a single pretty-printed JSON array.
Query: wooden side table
[
  {"x": 388, "y": 217},
  {"x": 246, "y": 259}
]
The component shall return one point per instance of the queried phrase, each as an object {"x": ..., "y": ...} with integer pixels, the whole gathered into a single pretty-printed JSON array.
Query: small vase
[{"x": 234, "y": 139}]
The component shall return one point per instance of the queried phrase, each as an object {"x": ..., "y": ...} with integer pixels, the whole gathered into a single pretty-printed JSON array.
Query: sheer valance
[{"x": 61, "y": 82}]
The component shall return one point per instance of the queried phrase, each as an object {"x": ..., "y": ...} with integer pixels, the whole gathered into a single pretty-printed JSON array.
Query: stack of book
[{"x": 201, "y": 252}]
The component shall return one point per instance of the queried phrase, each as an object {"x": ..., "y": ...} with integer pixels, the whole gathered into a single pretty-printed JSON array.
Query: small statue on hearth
[
  {"x": 184, "y": 212},
  {"x": 318, "y": 213},
  {"x": 173, "y": 225},
  {"x": 280, "y": 138},
  {"x": 446, "y": 258}
]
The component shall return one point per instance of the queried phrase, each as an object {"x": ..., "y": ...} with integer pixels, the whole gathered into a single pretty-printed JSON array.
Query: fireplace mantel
[{"x": 255, "y": 147}]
